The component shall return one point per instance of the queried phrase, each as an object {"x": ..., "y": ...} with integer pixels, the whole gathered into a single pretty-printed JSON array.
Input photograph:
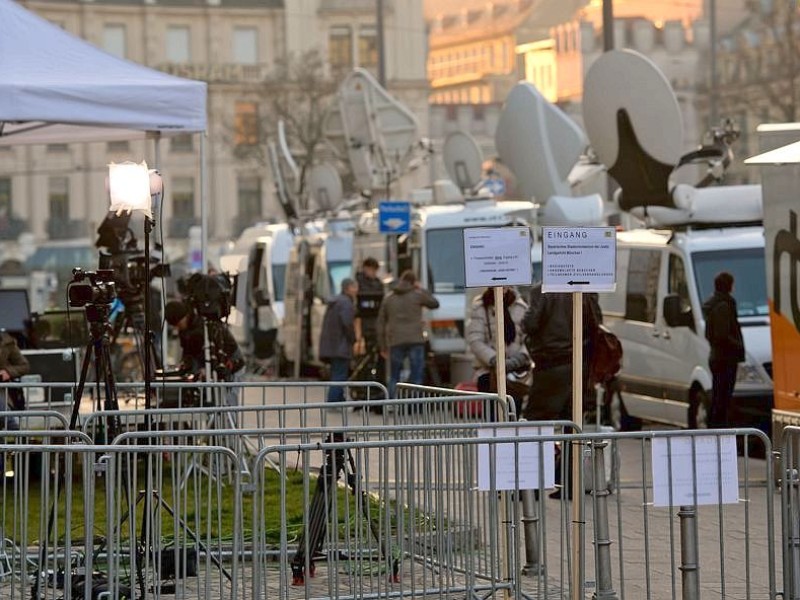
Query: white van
[
  {"x": 663, "y": 278},
  {"x": 259, "y": 261}
]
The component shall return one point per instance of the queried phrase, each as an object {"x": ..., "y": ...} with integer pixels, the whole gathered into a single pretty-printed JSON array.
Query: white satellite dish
[
  {"x": 325, "y": 186},
  {"x": 634, "y": 123},
  {"x": 463, "y": 160},
  {"x": 375, "y": 132},
  {"x": 538, "y": 142}
]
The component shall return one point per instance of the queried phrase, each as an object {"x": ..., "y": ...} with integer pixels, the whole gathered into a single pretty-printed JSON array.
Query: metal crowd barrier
[
  {"x": 97, "y": 522},
  {"x": 790, "y": 511}
]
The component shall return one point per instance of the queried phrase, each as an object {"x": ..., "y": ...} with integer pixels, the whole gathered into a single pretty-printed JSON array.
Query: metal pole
[
  {"x": 712, "y": 32},
  {"x": 500, "y": 368},
  {"x": 203, "y": 203},
  {"x": 578, "y": 526},
  {"x": 690, "y": 569},
  {"x": 381, "y": 45},
  {"x": 602, "y": 541},
  {"x": 530, "y": 523},
  {"x": 160, "y": 242},
  {"x": 608, "y": 25}
]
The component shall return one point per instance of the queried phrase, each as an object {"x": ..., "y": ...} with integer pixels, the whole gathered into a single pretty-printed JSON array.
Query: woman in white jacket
[{"x": 481, "y": 336}]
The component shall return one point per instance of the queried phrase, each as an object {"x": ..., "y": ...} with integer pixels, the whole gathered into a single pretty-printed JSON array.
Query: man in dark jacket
[
  {"x": 400, "y": 332},
  {"x": 338, "y": 336},
  {"x": 370, "y": 296},
  {"x": 724, "y": 335},
  {"x": 548, "y": 327}
]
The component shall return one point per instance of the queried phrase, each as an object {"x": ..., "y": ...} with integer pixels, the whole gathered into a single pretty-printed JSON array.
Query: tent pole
[
  {"x": 164, "y": 260},
  {"x": 203, "y": 203}
]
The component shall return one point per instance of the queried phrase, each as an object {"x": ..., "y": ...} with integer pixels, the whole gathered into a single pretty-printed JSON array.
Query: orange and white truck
[{"x": 779, "y": 164}]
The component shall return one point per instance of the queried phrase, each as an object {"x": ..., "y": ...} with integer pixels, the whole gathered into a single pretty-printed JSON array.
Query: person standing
[
  {"x": 13, "y": 365},
  {"x": 338, "y": 336},
  {"x": 548, "y": 326},
  {"x": 481, "y": 336},
  {"x": 370, "y": 296},
  {"x": 724, "y": 335},
  {"x": 400, "y": 331}
]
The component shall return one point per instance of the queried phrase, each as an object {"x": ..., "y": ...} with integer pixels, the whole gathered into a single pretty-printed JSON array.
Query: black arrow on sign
[{"x": 578, "y": 282}]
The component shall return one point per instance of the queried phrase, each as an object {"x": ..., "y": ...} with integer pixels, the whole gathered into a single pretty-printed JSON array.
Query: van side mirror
[{"x": 674, "y": 315}]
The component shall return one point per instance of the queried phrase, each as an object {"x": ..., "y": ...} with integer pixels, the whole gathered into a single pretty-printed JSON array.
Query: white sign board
[
  {"x": 674, "y": 478},
  {"x": 579, "y": 259},
  {"x": 516, "y": 466},
  {"x": 495, "y": 256}
]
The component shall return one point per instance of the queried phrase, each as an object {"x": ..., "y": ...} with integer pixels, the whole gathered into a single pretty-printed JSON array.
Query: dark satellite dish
[
  {"x": 463, "y": 160},
  {"x": 634, "y": 123}
]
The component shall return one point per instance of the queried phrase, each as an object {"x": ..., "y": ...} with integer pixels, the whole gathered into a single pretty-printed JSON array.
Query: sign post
[
  {"x": 578, "y": 260},
  {"x": 495, "y": 257},
  {"x": 394, "y": 218}
]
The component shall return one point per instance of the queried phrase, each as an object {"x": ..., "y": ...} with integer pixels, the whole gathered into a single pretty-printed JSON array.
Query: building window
[
  {"x": 368, "y": 47},
  {"x": 245, "y": 45},
  {"x": 57, "y": 148},
  {"x": 178, "y": 44},
  {"x": 118, "y": 147},
  {"x": 479, "y": 112},
  {"x": 183, "y": 198},
  {"x": 249, "y": 194},
  {"x": 58, "y": 197},
  {"x": 451, "y": 112},
  {"x": 340, "y": 48},
  {"x": 5, "y": 197},
  {"x": 183, "y": 142},
  {"x": 246, "y": 124},
  {"x": 114, "y": 40}
]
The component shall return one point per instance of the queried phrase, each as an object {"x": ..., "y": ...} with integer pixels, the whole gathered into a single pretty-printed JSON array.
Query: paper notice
[{"x": 516, "y": 465}]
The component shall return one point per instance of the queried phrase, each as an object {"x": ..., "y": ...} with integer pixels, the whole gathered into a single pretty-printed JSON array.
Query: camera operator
[
  {"x": 227, "y": 361},
  {"x": 13, "y": 365}
]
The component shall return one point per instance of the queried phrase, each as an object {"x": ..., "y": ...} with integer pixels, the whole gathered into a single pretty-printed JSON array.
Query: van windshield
[
  {"x": 338, "y": 272},
  {"x": 278, "y": 283},
  {"x": 445, "y": 255},
  {"x": 748, "y": 270}
]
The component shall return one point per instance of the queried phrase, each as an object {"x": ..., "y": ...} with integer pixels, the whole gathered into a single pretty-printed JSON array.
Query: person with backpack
[
  {"x": 724, "y": 335},
  {"x": 548, "y": 327}
]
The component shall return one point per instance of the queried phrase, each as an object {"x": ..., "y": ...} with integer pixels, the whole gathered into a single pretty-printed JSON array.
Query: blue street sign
[
  {"x": 394, "y": 216},
  {"x": 496, "y": 185}
]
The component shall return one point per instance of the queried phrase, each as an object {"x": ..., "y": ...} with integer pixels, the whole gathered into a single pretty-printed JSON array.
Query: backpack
[{"x": 606, "y": 358}]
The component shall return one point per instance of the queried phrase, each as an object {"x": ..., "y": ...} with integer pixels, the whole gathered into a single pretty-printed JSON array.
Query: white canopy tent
[{"x": 55, "y": 87}]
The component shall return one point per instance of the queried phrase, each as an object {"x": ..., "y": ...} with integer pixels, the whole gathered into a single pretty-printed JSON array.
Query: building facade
[{"x": 57, "y": 191}]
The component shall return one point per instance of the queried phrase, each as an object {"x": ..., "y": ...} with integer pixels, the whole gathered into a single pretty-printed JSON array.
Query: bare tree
[
  {"x": 298, "y": 93},
  {"x": 763, "y": 61}
]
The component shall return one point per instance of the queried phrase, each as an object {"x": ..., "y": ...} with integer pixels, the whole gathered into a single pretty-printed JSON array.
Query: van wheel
[
  {"x": 619, "y": 418},
  {"x": 699, "y": 407}
]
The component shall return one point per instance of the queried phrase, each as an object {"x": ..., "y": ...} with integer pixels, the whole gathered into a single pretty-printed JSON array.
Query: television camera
[
  {"x": 120, "y": 253},
  {"x": 211, "y": 296},
  {"x": 94, "y": 291}
]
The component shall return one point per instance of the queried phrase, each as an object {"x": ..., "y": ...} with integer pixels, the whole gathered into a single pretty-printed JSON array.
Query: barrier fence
[{"x": 400, "y": 508}]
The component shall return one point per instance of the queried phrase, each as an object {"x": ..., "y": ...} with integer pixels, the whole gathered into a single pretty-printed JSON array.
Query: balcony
[
  {"x": 11, "y": 228},
  {"x": 179, "y": 226},
  {"x": 66, "y": 229}
]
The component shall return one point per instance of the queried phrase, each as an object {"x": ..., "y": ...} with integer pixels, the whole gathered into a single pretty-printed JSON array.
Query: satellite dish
[
  {"x": 325, "y": 186},
  {"x": 634, "y": 123},
  {"x": 375, "y": 132},
  {"x": 463, "y": 160},
  {"x": 538, "y": 142}
]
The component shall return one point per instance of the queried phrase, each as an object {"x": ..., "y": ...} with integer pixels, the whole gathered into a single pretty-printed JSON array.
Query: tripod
[{"x": 337, "y": 462}]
